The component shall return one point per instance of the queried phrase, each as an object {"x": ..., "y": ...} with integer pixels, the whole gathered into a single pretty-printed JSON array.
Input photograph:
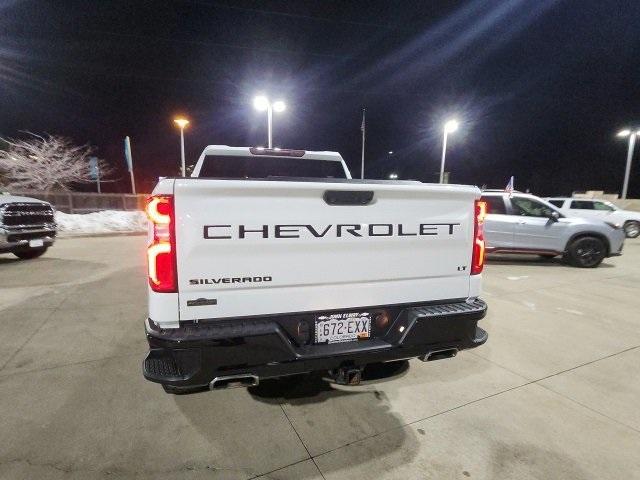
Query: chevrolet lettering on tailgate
[{"x": 228, "y": 232}]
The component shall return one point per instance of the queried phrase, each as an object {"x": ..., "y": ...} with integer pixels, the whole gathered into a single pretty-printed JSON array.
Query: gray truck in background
[{"x": 27, "y": 226}]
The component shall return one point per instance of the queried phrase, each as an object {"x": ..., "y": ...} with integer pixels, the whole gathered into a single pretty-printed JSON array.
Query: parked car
[
  {"x": 526, "y": 224},
  {"x": 27, "y": 226},
  {"x": 270, "y": 262},
  {"x": 599, "y": 209}
]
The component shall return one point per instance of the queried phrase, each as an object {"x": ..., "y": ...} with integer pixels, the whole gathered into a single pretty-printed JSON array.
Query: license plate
[
  {"x": 36, "y": 243},
  {"x": 343, "y": 327}
]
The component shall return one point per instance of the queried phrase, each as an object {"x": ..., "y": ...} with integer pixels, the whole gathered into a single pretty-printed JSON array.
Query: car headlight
[{"x": 617, "y": 226}]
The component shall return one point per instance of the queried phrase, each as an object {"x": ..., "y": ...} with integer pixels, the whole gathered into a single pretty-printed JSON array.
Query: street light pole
[
  {"x": 270, "y": 124},
  {"x": 182, "y": 152},
  {"x": 627, "y": 171},
  {"x": 449, "y": 127},
  {"x": 444, "y": 153},
  {"x": 262, "y": 103},
  {"x": 182, "y": 122}
]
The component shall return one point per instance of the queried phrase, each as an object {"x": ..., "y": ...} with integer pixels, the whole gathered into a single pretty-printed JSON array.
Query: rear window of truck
[{"x": 237, "y": 167}]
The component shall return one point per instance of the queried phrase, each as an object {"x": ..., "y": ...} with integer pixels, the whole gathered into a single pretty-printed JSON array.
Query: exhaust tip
[
  {"x": 234, "y": 381},
  {"x": 439, "y": 354}
]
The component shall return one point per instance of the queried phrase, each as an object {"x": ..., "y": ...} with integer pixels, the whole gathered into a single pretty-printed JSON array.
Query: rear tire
[
  {"x": 632, "y": 229},
  {"x": 31, "y": 253},
  {"x": 586, "y": 252}
]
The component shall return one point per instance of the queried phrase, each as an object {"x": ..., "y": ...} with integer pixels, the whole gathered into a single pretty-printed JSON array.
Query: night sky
[{"x": 540, "y": 86}]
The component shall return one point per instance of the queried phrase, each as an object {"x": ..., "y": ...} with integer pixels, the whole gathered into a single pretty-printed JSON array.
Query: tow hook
[{"x": 347, "y": 376}]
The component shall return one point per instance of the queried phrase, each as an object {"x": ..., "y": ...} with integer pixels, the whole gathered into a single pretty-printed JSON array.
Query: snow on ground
[{"x": 107, "y": 221}]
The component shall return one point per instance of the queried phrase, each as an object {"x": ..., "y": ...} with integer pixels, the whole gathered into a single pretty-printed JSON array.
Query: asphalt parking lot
[{"x": 553, "y": 394}]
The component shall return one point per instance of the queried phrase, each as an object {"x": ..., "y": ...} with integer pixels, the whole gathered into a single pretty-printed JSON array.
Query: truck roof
[{"x": 273, "y": 152}]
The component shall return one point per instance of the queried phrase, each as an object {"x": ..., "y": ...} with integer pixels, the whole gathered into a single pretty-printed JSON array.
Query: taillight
[
  {"x": 477, "y": 259},
  {"x": 161, "y": 252}
]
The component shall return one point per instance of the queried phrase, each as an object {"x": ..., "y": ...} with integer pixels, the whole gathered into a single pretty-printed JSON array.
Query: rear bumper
[{"x": 194, "y": 355}]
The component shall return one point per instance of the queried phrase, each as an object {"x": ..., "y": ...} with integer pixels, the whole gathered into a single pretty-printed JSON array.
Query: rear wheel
[
  {"x": 632, "y": 229},
  {"x": 586, "y": 252},
  {"x": 31, "y": 253}
]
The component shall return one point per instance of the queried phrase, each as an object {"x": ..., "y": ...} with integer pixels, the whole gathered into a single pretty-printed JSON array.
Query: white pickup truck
[{"x": 270, "y": 262}]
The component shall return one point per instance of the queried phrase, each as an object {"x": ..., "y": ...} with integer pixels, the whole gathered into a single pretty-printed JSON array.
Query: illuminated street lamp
[
  {"x": 182, "y": 122},
  {"x": 449, "y": 127},
  {"x": 632, "y": 143},
  {"x": 262, "y": 103}
]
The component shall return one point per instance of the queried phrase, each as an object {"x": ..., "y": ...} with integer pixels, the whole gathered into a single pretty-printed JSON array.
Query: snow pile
[{"x": 107, "y": 221}]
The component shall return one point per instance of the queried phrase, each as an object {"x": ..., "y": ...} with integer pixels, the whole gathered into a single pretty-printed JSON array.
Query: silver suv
[
  {"x": 523, "y": 223},
  {"x": 601, "y": 210}
]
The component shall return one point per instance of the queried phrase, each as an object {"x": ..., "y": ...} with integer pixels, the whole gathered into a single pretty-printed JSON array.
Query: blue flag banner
[
  {"x": 93, "y": 168},
  {"x": 127, "y": 153}
]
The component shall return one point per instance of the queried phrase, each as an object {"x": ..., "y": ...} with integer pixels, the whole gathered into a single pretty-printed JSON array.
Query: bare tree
[{"x": 46, "y": 162}]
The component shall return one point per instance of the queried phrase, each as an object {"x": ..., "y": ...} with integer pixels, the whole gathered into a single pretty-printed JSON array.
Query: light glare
[
  {"x": 261, "y": 103},
  {"x": 451, "y": 126},
  {"x": 624, "y": 133},
  {"x": 279, "y": 106},
  {"x": 181, "y": 122}
]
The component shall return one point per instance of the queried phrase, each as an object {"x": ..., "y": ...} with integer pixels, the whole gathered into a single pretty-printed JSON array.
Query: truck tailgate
[{"x": 249, "y": 248}]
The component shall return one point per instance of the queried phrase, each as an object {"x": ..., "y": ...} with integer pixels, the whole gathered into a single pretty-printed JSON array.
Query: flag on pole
[
  {"x": 363, "y": 127},
  {"x": 509, "y": 187}
]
